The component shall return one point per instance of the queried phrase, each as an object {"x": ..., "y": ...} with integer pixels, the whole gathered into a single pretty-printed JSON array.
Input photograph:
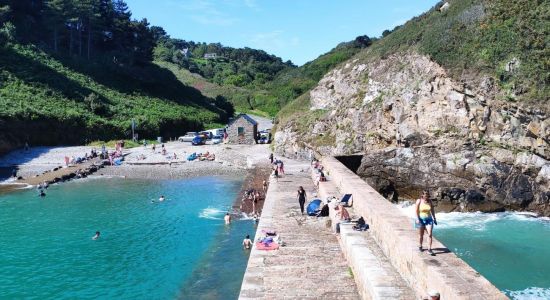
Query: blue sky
[{"x": 299, "y": 30}]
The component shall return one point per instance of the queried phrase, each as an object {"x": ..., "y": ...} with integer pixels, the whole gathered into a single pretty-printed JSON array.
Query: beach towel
[{"x": 264, "y": 246}]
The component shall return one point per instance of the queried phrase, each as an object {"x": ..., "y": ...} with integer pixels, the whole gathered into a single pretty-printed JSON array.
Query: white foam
[
  {"x": 531, "y": 293},
  {"x": 474, "y": 220},
  {"x": 212, "y": 213},
  {"x": 244, "y": 216}
]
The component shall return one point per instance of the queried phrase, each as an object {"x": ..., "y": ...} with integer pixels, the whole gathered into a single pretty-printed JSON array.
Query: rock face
[{"x": 419, "y": 128}]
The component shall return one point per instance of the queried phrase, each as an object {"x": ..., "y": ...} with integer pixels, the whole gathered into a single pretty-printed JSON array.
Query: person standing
[
  {"x": 425, "y": 215},
  {"x": 271, "y": 158},
  {"x": 301, "y": 198},
  {"x": 247, "y": 243},
  {"x": 264, "y": 184},
  {"x": 276, "y": 173},
  {"x": 227, "y": 219}
]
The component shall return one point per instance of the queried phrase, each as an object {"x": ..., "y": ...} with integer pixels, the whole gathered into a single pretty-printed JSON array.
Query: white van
[{"x": 217, "y": 131}]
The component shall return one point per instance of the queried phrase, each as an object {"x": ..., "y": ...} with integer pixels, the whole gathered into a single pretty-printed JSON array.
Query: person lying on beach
[
  {"x": 227, "y": 218},
  {"x": 247, "y": 243},
  {"x": 96, "y": 236}
]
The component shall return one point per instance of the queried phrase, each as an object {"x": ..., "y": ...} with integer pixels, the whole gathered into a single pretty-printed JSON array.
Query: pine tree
[{"x": 55, "y": 17}]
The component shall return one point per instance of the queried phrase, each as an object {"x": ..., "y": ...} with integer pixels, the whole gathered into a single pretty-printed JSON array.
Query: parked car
[
  {"x": 188, "y": 137},
  {"x": 217, "y": 139},
  {"x": 206, "y": 134},
  {"x": 217, "y": 131},
  {"x": 265, "y": 137},
  {"x": 198, "y": 140}
]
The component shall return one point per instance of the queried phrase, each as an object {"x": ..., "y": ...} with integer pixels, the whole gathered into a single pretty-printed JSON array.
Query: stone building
[{"x": 242, "y": 130}]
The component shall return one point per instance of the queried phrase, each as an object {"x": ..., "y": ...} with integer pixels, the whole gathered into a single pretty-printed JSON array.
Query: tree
[
  {"x": 362, "y": 41},
  {"x": 55, "y": 13}
]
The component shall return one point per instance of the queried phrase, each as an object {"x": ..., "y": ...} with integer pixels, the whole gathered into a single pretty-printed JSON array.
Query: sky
[{"x": 296, "y": 30}]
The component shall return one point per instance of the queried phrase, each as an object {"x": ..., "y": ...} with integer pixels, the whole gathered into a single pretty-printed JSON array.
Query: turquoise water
[
  {"x": 168, "y": 250},
  {"x": 512, "y": 250}
]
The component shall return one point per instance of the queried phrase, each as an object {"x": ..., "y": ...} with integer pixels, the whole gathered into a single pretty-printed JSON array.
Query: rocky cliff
[{"x": 465, "y": 139}]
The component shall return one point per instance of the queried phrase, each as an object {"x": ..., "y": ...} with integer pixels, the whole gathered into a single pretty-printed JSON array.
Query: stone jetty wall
[{"x": 394, "y": 234}]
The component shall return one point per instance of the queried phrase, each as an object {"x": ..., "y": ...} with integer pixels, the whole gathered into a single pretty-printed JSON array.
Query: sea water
[
  {"x": 175, "y": 249},
  {"x": 512, "y": 250}
]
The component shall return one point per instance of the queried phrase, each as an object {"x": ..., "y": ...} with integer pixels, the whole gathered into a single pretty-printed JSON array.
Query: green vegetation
[
  {"x": 225, "y": 65},
  {"x": 290, "y": 84},
  {"x": 470, "y": 39},
  {"x": 61, "y": 81},
  {"x": 250, "y": 79},
  {"x": 475, "y": 37},
  {"x": 98, "y": 100},
  {"x": 127, "y": 143}
]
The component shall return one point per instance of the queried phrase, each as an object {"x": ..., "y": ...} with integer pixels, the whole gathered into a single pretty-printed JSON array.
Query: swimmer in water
[
  {"x": 96, "y": 236},
  {"x": 42, "y": 194},
  {"x": 161, "y": 198},
  {"x": 247, "y": 243},
  {"x": 227, "y": 218}
]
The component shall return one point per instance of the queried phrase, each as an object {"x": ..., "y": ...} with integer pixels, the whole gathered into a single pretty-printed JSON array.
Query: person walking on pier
[
  {"x": 425, "y": 215},
  {"x": 301, "y": 198}
]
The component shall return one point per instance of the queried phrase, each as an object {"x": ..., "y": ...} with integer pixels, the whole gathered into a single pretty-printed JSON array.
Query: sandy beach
[
  {"x": 143, "y": 162},
  {"x": 245, "y": 161}
]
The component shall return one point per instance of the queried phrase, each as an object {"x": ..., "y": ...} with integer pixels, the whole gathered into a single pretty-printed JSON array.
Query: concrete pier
[
  {"x": 382, "y": 263},
  {"x": 398, "y": 241},
  {"x": 311, "y": 264}
]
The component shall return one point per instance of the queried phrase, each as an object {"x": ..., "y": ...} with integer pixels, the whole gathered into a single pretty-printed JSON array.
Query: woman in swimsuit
[
  {"x": 301, "y": 198},
  {"x": 425, "y": 215}
]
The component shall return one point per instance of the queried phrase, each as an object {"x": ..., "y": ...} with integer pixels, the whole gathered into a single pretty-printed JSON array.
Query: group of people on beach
[{"x": 74, "y": 160}]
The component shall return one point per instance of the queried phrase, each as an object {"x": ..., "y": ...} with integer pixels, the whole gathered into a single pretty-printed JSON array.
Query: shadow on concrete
[
  {"x": 20, "y": 156},
  {"x": 441, "y": 250}
]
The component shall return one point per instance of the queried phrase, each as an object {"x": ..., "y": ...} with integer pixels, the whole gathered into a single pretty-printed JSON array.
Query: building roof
[{"x": 246, "y": 117}]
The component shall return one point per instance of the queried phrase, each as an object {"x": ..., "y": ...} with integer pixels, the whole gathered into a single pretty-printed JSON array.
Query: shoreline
[
  {"x": 253, "y": 180},
  {"x": 165, "y": 171}
]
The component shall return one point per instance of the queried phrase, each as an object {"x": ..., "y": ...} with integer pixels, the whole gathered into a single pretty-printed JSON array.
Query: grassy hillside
[
  {"x": 472, "y": 38},
  {"x": 477, "y": 37},
  {"x": 250, "y": 79},
  {"x": 238, "y": 96},
  {"x": 290, "y": 84},
  {"x": 71, "y": 100}
]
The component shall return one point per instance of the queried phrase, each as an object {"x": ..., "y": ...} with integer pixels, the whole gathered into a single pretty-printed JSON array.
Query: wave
[
  {"x": 245, "y": 216},
  {"x": 531, "y": 293},
  {"x": 474, "y": 220},
  {"x": 212, "y": 213}
]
